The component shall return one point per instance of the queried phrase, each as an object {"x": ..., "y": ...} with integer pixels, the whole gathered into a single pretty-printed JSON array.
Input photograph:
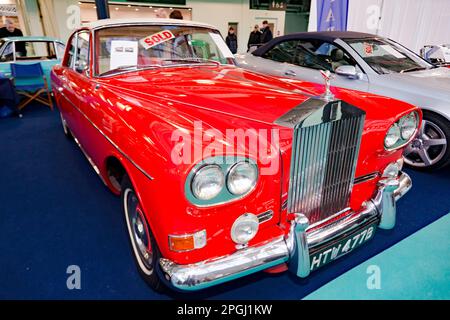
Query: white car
[{"x": 372, "y": 64}]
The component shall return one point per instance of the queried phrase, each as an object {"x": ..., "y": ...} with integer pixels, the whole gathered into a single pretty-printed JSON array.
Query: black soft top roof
[{"x": 329, "y": 36}]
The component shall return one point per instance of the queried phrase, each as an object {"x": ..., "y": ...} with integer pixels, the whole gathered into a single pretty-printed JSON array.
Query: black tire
[
  {"x": 440, "y": 154},
  {"x": 134, "y": 221}
]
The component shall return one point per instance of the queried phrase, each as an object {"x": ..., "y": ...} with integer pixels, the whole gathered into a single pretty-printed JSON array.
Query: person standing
[
  {"x": 266, "y": 33},
  {"x": 254, "y": 38},
  {"x": 176, "y": 14},
  {"x": 9, "y": 30},
  {"x": 231, "y": 40}
]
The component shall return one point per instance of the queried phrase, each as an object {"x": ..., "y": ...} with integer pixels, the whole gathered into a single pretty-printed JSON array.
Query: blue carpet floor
[
  {"x": 417, "y": 268},
  {"x": 55, "y": 212}
]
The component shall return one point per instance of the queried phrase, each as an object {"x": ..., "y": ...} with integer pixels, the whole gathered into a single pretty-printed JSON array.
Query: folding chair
[{"x": 30, "y": 82}]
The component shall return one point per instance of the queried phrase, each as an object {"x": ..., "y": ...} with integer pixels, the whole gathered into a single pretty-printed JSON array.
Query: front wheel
[
  {"x": 145, "y": 250},
  {"x": 430, "y": 150}
]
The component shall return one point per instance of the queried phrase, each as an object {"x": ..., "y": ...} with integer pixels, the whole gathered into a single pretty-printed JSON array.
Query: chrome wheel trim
[
  {"x": 417, "y": 153},
  {"x": 64, "y": 124},
  {"x": 138, "y": 231}
]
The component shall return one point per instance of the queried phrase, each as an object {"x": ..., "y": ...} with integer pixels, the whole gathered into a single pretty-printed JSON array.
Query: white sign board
[
  {"x": 123, "y": 53},
  {"x": 8, "y": 10}
]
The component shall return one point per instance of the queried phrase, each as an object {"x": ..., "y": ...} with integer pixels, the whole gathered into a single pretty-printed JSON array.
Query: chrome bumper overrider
[{"x": 293, "y": 249}]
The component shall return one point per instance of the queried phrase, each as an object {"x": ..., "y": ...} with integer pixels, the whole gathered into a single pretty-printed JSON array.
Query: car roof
[
  {"x": 329, "y": 36},
  {"x": 31, "y": 38},
  {"x": 114, "y": 22}
]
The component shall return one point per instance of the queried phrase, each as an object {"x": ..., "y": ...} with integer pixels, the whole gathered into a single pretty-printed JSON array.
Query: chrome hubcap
[
  {"x": 428, "y": 148},
  {"x": 139, "y": 230}
]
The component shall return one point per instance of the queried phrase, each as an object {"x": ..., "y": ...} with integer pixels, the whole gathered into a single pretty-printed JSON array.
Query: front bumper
[{"x": 294, "y": 248}]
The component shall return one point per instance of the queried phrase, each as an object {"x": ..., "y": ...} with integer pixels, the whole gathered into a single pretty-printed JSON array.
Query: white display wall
[
  {"x": 62, "y": 14},
  {"x": 413, "y": 23}
]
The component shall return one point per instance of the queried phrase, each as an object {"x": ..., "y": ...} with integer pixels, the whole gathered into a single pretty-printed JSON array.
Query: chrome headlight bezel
[
  {"x": 226, "y": 164},
  {"x": 399, "y": 127}
]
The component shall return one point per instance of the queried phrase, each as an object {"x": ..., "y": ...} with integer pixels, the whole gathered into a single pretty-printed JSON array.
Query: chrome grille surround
[{"x": 325, "y": 148}]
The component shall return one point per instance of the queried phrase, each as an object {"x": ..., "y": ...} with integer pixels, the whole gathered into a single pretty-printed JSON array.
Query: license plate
[{"x": 339, "y": 248}]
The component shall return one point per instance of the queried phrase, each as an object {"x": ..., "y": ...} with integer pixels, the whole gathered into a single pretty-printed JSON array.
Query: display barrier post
[{"x": 102, "y": 9}]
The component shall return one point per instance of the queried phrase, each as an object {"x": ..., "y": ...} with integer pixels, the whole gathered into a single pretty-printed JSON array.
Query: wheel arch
[
  {"x": 426, "y": 110},
  {"x": 115, "y": 163},
  {"x": 115, "y": 170}
]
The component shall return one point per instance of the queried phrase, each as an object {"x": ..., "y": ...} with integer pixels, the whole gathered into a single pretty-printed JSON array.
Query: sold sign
[{"x": 156, "y": 39}]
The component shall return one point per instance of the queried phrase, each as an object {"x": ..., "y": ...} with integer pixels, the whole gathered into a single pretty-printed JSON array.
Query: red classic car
[{"x": 225, "y": 172}]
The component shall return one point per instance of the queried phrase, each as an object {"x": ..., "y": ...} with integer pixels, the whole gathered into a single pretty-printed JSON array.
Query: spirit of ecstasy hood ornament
[{"x": 327, "y": 95}]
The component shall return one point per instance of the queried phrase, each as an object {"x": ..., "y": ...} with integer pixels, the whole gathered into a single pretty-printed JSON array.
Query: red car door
[
  {"x": 92, "y": 131},
  {"x": 63, "y": 89}
]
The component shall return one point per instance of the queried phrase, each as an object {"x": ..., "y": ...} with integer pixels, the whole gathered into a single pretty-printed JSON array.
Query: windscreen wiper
[
  {"x": 413, "y": 69},
  {"x": 194, "y": 60},
  {"x": 130, "y": 67}
]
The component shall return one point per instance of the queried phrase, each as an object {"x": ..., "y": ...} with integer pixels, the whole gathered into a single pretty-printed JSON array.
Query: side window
[
  {"x": 60, "y": 48},
  {"x": 51, "y": 50},
  {"x": 321, "y": 55},
  {"x": 7, "y": 54},
  {"x": 71, "y": 54},
  {"x": 82, "y": 56},
  {"x": 283, "y": 52},
  {"x": 35, "y": 50}
]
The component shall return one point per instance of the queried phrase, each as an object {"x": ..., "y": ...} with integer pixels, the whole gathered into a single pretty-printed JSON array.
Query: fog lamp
[{"x": 244, "y": 228}]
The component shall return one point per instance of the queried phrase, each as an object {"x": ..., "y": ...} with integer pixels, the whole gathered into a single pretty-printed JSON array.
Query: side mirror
[
  {"x": 80, "y": 66},
  {"x": 347, "y": 71},
  {"x": 252, "y": 48}
]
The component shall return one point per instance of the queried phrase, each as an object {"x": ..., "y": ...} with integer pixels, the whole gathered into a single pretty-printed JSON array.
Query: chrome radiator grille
[{"x": 324, "y": 157}]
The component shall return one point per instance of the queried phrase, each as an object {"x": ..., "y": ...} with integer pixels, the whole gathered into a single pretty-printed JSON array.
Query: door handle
[{"x": 290, "y": 73}]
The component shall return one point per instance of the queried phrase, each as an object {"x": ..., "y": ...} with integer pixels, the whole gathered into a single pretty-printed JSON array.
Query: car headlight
[
  {"x": 244, "y": 228},
  {"x": 402, "y": 131},
  {"x": 408, "y": 125},
  {"x": 220, "y": 179},
  {"x": 242, "y": 178},
  {"x": 393, "y": 136},
  {"x": 208, "y": 182}
]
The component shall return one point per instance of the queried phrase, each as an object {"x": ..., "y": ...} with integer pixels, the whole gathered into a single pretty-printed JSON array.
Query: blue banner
[{"x": 332, "y": 15}]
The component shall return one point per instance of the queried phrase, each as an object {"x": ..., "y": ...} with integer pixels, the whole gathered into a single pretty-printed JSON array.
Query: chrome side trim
[
  {"x": 91, "y": 162},
  {"x": 265, "y": 216},
  {"x": 294, "y": 248},
  {"x": 107, "y": 138},
  {"x": 366, "y": 177}
]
